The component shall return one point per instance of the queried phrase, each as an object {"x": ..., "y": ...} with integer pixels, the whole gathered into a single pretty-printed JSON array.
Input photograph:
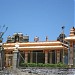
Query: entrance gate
[{"x": 9, "y": 59}]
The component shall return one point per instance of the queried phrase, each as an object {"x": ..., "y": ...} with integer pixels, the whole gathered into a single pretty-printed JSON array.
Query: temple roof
[
  {"x": 70, "y": 38},
  {"x": 50, "y": 45},
  {"x": 36, "y": 48}
]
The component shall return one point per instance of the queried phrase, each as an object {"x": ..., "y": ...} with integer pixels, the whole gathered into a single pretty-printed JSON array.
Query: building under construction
[{"x": 18, "y": 49}]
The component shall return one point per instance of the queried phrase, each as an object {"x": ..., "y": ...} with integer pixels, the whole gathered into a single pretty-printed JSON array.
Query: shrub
[
  {"x": 59, "y": 65},
  {"x": 40, "y": 65},
  {"x": 23, "y": 65},
  {"x": 32, "y": 64}
]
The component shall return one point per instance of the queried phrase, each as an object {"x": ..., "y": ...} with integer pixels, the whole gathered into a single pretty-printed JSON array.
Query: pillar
[
  {"x": 31, "y": 57},
  {"x": 63, "y": 56},
  {"x": 46, "y": 57},
  {"x": 6, "y": 60},
  {"x": 71, "y": 54},
  {"x": 0, "y": 61},
  {"x": 58, "y": 56},
  {"x": 74, "y": 54},
  {"x": 50, "y": 57},
  {"x": 15, "y": 52},
  {"x": 26, "y": 57}
]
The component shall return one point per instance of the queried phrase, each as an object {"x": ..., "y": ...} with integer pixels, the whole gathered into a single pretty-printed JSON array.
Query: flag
[{"x": 63, "y": 27}]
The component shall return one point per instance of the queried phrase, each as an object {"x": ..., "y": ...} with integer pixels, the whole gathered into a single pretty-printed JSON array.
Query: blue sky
[{"x": 37, "y": 17}]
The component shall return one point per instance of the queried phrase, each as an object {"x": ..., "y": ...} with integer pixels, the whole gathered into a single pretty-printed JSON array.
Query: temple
[{"x": 18, "y": 49}]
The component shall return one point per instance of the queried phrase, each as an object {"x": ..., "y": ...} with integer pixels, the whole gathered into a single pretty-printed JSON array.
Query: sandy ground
[{"x": 33, "y": 71}]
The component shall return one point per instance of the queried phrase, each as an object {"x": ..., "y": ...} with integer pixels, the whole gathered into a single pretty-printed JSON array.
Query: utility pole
[{"x": 63, "y": 41}]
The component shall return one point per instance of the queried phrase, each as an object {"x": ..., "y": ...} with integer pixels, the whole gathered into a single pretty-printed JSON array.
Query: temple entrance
[
  {"x": 38, "y": 57},
  {"x": 9, "y": 60}
]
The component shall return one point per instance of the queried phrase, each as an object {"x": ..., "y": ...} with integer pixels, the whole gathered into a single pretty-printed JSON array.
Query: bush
[
  {"x": 32, "y": 64},
  {"x": 23, "y": 65},
  {"x": 40, "y": 65},
  {"x": 59, "y": 65}
]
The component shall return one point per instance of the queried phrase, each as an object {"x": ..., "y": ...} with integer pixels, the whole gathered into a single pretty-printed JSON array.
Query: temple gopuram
[{"x": 19, "y": 49}]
